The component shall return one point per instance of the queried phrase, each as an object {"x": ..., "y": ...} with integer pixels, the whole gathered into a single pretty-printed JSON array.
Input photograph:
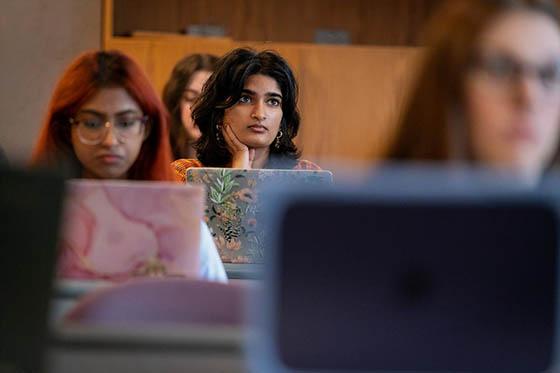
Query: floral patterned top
[{"x": 181, "y": 165}]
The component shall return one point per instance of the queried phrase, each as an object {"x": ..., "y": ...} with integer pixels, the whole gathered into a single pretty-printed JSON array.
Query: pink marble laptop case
[{"x": 118, "y": 229}]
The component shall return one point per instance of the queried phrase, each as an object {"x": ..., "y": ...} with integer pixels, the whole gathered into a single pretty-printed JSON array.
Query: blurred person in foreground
[{"x": 488, "y": 89}]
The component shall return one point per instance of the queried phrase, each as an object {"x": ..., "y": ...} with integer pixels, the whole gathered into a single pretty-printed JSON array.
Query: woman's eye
[
  {"x": 549, "y": 75},
  {"x": 127, "y": 122},
  {"x": 91, "y": 123},
  {"x": 244, "y": 99},
  {"x": 189, "y": 99},
  {"x": 274, "y": 102},
  {"x": 502, "y": 68}
]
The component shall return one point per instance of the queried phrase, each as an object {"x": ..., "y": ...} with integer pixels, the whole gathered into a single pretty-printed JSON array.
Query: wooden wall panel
[
  {"x": 349, "y": 107},
  {"x": 139, "y": 50},
  {"x": 158, "y": 53},
  {"x": 376, "y": 22},
  {"x": 349, "y": 96},
  {"x": 162, "y": 15}
]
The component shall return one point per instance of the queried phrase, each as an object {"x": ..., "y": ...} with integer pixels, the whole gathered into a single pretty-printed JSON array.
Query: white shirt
[{"x": 211, "y": 266}]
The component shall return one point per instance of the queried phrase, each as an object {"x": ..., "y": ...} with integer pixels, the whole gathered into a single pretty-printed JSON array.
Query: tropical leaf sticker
[{"x": 215, "y": 196}]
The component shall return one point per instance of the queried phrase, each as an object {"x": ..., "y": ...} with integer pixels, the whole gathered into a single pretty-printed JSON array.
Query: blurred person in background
[
  {"x": 488, "y": 89},
  {"x": 179, "y": 94}
]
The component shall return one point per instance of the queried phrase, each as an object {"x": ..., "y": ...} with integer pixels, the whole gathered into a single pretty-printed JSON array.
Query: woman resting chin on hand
[{"x": 247, "y": 115}]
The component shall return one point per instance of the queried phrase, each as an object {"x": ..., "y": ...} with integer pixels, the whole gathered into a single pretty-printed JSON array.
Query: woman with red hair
[{"x": 105, "y": 121}]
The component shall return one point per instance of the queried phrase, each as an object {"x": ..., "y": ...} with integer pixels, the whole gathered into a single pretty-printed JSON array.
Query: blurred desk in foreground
[
  {"x": 77, "y": 288},
  {"x": 244, "y": 271},
  {"x": 67, "y": 292},
  {"x": 164, "y": 348}
]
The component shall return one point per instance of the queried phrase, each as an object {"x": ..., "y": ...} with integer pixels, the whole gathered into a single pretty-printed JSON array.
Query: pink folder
[{"x": 119, "y": 229}]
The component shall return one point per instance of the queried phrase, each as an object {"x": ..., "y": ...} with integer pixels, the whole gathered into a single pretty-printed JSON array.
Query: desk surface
[
  {"x": 244, "y": 271},
  {"x": 163, "y": 348},
  {"x": 65, "y": 288}
]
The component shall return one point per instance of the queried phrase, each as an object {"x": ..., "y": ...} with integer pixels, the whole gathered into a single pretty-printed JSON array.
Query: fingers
[
  {"x": 251, "y": 156},
  {"x": 232, "y": 141},
  {"x": 241, "y": 155}
]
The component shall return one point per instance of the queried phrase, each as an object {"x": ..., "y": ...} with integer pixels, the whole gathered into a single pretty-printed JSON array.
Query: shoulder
[
  {"x": 181, "y": 165},
  {"x": 303, "y": 164},
  {"x": 211, "y": 266}
]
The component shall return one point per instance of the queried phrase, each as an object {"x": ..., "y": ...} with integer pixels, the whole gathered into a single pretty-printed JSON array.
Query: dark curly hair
[{"x": 223, "y": 90}]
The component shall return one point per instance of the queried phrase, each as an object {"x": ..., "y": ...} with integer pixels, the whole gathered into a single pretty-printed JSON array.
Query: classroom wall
[
  {"x": 349, "y": 95},
  {"x": 374, "y": 22},
  {"x": 38, "y": 38}
]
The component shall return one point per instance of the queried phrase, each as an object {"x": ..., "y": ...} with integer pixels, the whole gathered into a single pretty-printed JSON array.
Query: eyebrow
[
  {"x": 98, "y": 113},
  {"x": 269, "y": 94}
]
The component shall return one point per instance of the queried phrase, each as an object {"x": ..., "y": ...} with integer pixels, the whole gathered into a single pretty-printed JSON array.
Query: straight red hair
[{"x": 89, "y": 73}]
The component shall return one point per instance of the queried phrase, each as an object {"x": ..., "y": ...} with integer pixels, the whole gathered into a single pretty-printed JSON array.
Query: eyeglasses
[
  {"x": 92, "y": 129},
  {"x": 505, "y": 70}
]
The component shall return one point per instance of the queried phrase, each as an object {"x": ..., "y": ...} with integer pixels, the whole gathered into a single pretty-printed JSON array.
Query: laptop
[
  {"x": 115, "y": 230},
  {"x": 376, "y": 280},
  {"x": 233, "y": 208},
  {"x": 30, "y": 205}
]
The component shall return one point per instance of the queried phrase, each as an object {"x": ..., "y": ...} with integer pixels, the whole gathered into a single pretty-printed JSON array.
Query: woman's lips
[
  {"x": 257, "y": 128},
  {"x": 110, "y": 158},
  {"x": 522, "y": 133}
]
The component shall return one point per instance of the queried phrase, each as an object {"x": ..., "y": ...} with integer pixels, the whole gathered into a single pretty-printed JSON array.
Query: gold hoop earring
[{"x": 277, "y": 141}]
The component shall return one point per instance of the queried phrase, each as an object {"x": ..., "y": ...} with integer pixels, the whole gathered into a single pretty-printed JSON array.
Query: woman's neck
[
  {"x": 261, "y": 157},
  {"x": 90, "y": 175},
  {"x": 190, "y": 152}
]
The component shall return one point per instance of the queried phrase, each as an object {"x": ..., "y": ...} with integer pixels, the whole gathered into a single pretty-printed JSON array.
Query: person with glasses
[
  {"x": 105, "y": 121},
  {"x": 179, "y": 94},
  {"x": 488, "y": 89}
]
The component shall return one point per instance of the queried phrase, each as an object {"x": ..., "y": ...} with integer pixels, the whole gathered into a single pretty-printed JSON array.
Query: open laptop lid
[
  {"x": 394, "y": 280},
  {"x": 234, "y": 204},
  {"x": 30, "y": 205},
  {"x": 119, "y": 229}
]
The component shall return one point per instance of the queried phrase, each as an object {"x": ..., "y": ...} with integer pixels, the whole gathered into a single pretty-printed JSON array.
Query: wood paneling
[
  {"x": 376, "y": 22},
  {"x": 349, "y": 96}
]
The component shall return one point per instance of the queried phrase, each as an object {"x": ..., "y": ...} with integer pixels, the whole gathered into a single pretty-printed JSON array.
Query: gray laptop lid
[
  {"x": 361, "y": 281},
  {"x": 30, "y": 205}
]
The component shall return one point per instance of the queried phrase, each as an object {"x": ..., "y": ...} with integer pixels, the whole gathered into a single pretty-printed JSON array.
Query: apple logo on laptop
[{"x": 414, "y": 286}]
